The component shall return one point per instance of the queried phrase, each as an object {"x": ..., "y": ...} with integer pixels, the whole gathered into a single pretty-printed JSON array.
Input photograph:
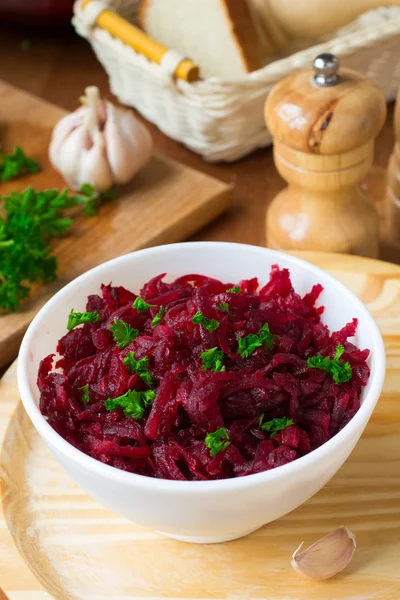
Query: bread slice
[
  {"x": 218, "y": 35},
  {"x": 271, "y": 34}
]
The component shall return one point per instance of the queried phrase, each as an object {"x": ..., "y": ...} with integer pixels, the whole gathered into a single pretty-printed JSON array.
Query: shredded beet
[{"x": 198, "y": 379}]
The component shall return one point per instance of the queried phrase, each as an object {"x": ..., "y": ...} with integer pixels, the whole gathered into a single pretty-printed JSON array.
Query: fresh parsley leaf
[
  {"x": 141, "y": 305},
  {"x": 148, "y": 397},
  {"x": 218, "y": 441},
  {"x": 16, "y": 164},
  {"x": 235, "y": 290},
  {"x": 340, "y": 371},
  {"x": 130, "y": 402},
  {"x": 133, "y": 403},
  {"x": 28, "y": 220},
  {"x": 248, "y": 344},
  {"x": 87, "y": 189},
  {"x": 212, "y": 359},
  {"x": 78, "y": 318},
  {"x": 224, "y": 307},
  {"x": 110, "y": 194},
  {"x": 266, "y": 336},
  {"x": 123, "y": 333},
  {"x": 209, "y": 324},
  {"x": 141, "y": 367},
  {"x": 90, "y": 199},
  {"x": 158, "y": 318},
  {"x": 85, "y": 394},
  {"x": 275, "y": 425}
]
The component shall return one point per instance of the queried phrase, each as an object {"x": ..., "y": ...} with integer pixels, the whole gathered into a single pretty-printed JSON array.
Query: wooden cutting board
[
  {"x": 80, "y": 551},
  {"x": 166, "y": 202}
]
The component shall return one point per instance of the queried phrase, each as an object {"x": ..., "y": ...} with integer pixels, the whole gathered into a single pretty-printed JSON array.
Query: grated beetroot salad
[{"x": 199, "y": 379}]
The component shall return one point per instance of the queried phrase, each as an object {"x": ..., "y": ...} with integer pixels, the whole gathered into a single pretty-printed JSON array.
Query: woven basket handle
[{"x": 173, "y": 62}]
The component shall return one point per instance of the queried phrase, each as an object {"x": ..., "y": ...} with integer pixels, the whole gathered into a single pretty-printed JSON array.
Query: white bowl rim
[{"x": 210, "y": 486}]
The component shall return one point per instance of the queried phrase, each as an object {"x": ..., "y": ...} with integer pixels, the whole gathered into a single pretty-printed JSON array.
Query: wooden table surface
[{"x": 59, "y": 65}]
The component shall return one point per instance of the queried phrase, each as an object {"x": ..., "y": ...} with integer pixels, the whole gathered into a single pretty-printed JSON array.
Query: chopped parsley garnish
[
  {"x": 148, "y": 397},
  {"x": 85, "y": 394},
  {"x": 266, "y": 336},
  {"x": 340, "y": 371},
  {"x": 133, "y": 403},
  {"x": 218, "y": 441},
  {"x": 249, "y": 343},
  {"x": 130, "y": 403},
  {"x": 16, "y": 164},
  {"x": 235, "y": 290},
  {"x": 212, "y": 359},
  {"x": 275, "y": 425},
  {"x": 141, "y": 305},
  {"x": 209, "y": 324},
  {"x": 140, "y": 367},
  {"x": 158, "y": 318},
  {"x": 123, "y": 333},
  {"x": 78, "y": 318},
  {"x": 224, "y": 307}
]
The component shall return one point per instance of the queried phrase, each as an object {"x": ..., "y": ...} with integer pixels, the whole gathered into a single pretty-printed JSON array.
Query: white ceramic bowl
[{"x": 201, "y": 511}]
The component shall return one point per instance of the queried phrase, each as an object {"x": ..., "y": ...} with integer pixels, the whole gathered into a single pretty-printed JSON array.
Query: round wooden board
[{"x": 80, "y": 551}]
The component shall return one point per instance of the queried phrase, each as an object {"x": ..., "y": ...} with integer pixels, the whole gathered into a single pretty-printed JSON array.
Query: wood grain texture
[
  {"x": 166, "y": 202},
  {"x": 80, "y": 551}
]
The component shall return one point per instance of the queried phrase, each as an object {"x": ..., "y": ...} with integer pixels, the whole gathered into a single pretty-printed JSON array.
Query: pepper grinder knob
[{"x": 326, "y": 67}]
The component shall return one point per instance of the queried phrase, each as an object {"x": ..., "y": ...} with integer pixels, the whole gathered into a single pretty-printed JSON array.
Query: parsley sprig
[
  {"x": 209, "y": 324},
  {"x": 123, "y": 333},
  {"x": 133, "y": 403},
  {"x": 158, "y": 318},
  {"x": 218, "y": 441},
  {"x": 248, "y": 344},
  {"x": 275, "y": 425},
  {"x": 28, "y": 220},
  {"x": 224, "y": 307},
  {"x": 212, "y": 359},
  {"x": 79, "y": 318},
  {"x": 141, "y": 305},
  {"x": 141, "y": 367},
  {"x": 91, "y": 199},
  {"x": 85, "y": 394},
  {"x": 16, "y": 164},
  {"x": 340, "y": 370}
]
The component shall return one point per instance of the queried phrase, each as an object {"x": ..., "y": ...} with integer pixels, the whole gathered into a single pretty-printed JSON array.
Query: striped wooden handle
[{"x": 141, "y": 42}]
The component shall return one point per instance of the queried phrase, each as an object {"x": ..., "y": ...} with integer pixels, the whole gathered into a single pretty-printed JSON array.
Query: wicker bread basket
[{"x": 223, "y": 120}]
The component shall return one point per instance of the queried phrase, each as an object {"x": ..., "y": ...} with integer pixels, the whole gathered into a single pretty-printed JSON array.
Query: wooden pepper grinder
[
  {"x": 324, "y": 124},
  {"x": 393, "y": 183}
]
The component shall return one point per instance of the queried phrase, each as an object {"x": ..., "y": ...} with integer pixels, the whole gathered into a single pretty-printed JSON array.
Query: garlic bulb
[
  {"x": 326, "y": 557},
  {"x": 99, "y": 144}
]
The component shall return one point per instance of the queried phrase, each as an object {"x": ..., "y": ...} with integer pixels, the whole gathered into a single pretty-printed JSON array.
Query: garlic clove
[
  {"x": 139, "y": 136},
  {"x": 93, "y": 166},
  {"x": 126, "y": 153},
  {"x": 61, "y": 131},
  {"x": 70, "y": 153},
  {"x": 326, "y": 557}
]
